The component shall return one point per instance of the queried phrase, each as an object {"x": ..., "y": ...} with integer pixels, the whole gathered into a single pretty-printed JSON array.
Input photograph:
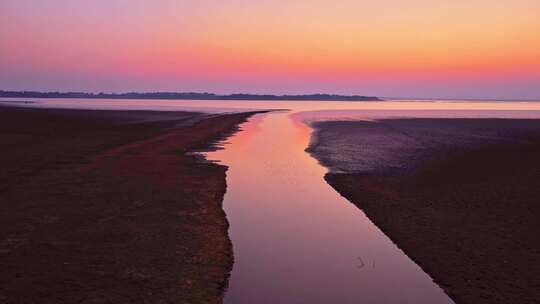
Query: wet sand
[
  {"x": 107, "y": 207},
  {"x": 461, "y": 197}
]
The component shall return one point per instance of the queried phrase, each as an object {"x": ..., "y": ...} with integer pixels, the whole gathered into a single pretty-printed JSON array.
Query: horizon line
[{"x": 265, "y": 94}]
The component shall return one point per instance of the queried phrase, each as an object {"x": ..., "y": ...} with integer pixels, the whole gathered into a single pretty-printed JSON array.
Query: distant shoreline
[{"x": 186, "y": 96}]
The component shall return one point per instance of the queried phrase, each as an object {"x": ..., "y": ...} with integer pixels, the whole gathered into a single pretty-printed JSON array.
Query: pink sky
[{"x": 415, "y": 48}]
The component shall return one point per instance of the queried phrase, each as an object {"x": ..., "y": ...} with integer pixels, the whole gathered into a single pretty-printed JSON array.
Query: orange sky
[{"x": 392, "y": 48}]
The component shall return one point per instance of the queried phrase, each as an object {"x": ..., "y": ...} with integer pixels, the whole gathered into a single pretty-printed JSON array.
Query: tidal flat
[
  {"x": 459, "y": 196},
  {"x": 107, "y": 206}
]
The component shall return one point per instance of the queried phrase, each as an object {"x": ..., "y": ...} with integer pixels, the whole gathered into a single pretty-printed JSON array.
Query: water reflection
[
  {"x": 298, "y": 241},
  {"x": 217, "y": 106}
]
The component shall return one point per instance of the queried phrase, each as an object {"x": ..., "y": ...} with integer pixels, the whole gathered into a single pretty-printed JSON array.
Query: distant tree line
[{"x": 189, "y": 95}]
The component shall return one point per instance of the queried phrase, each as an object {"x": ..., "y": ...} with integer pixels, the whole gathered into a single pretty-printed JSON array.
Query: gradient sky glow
[{"x": 414, "y": 48}]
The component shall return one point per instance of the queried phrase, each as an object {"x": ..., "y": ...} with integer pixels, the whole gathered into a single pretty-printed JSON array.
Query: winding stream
[{"x": 295, "y": 239}]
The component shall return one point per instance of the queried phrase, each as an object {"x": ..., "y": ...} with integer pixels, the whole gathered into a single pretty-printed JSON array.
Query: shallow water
[
  {"x": 295, "y": 239},
  {"x": 392, "y": 107}
]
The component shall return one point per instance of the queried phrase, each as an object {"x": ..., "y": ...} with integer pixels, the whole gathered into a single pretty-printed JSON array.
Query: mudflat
[
  {"x": 461, "y": 197},
  {"x": 107, "y": 207}
]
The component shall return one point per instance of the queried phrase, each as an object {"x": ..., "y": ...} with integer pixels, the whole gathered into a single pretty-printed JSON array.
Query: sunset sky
[{"x": 414, "y": 48}]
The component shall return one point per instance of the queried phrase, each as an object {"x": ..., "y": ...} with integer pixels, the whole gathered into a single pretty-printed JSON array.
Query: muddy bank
[
  {"x": 106, "y": 207},
  {"x": 461, "y": 197}
]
